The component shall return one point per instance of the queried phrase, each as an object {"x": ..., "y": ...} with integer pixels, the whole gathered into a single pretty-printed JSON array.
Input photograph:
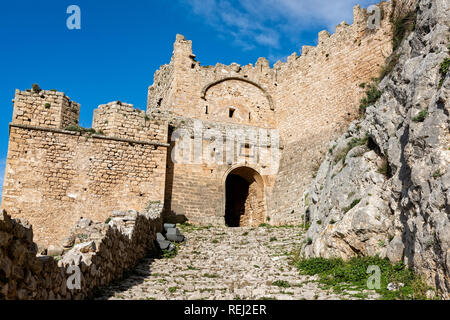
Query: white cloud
[{"x": 268, "y": 22}]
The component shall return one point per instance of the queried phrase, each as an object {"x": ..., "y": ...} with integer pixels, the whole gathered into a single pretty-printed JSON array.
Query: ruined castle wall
[
  {"x": 195, "y": 188},
  {"x": 121, "y": 120},
  {"x": 53, "y": 177},
  {"x": 100, "y": 253},
  {"x": 318, "y": 95},
  {"x": 207, "y": 93},
  {"x": 310, "y": 99},
  {"x": 47, "y": 108}
]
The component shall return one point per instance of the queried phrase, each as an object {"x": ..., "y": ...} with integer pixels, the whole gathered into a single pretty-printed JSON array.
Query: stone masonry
[
  {"x": 57, "y": 173},
  {"x": 95, "y": 254}
]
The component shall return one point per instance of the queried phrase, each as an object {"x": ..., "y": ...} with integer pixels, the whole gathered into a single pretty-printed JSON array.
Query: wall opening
[
  {"x": 237, "y": 194},
  {"x": 244, "y": 194}
]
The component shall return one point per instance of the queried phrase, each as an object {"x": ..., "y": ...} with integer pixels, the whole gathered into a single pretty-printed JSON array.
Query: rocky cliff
[{"x": 384, "y": 186}]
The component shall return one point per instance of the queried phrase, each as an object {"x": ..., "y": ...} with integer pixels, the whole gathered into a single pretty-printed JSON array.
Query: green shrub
[
  {"x": 355, "y": 142},
  {"x": 35, "y": 87},
  {"x": 281, "y": 284},
  {"x": 352, "y": 205},
  {"x": 166, "y": 254},
  {"x": 47, "y": 106},
  {"x": 391, "y": 62},
  {"x": 384, "y": 168},
  {"x": 421, "y": 116},
  {"x": 403, "y": 23},
  {"x": 339, "y": 275},
  {"x": 77, "y": 128},
  {"x": 445, "y": 65},
  {"x": 443, "y": 70},
  {"x": 173, "y": 289},
  {"x": 373, "y": 94},
  {"x": 437, "y": 174}
]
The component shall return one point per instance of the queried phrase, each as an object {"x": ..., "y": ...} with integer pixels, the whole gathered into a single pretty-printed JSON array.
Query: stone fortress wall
[
  {"x": 128, "y": 161},
  {"x": 55, "y": 176},
  {"x": 310, "y": 99},
  {"x": 94, "y": 255}
]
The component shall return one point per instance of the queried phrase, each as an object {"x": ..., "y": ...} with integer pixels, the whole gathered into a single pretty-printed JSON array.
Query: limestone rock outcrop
[{"x": 384, "y": 186}]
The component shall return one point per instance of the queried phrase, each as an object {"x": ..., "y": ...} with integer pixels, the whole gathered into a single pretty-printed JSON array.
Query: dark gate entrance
[
  {"x": 237, "y": 193},
  {"x": 244, "y": 204}
]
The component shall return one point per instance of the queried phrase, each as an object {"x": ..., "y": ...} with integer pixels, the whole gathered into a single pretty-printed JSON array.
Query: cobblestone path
[{"x": 224, "y": 264}]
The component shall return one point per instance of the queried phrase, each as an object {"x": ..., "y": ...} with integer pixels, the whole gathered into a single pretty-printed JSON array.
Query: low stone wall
[{"x": 99, "y": 253}]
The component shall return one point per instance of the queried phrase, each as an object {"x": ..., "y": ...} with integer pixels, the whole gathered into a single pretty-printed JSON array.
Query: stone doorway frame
[{"x": 250, "y": 174}]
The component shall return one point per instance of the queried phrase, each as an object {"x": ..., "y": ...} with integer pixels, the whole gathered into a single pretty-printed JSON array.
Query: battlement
[
  {"x": 122, "y": 120},
  {"x": 45, "y": 108},
  {"x": 185, "y": 87}
]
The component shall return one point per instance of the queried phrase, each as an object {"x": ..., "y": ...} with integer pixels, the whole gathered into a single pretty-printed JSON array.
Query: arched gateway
[{"x": 245, "y": 200}]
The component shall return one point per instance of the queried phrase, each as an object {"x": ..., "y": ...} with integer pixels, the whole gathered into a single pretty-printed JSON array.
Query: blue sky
[{"x": 122, "y": 43}]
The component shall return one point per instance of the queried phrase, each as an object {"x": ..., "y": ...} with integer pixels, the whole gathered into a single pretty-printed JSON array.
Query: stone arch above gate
[
  {"x": 239, "y": 101},
  {"x": 209, "y": 86}
]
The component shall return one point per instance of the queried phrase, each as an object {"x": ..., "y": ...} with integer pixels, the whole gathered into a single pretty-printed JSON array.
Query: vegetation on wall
[
  {"x": 341, "y": 275},
  {"x": 443, "y": 70},
  {"x": 77, "y": 128},
  {"x": 403, "y": 19},
  {"x": 373, "y": 94},
  {"x": 355, "y": 142}
]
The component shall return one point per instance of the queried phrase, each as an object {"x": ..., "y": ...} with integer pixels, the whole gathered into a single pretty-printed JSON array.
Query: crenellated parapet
[
  {"x": 122, "y": 120},
  {"x": 45, "y": 108}
]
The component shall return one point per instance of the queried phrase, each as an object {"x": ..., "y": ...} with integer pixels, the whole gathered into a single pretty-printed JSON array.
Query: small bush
[
  {"x": 166, "y": 254},
  {"x": 306, "y": 225},
  {"x": 437, "y": 174},
  {"x": 211, "y": 276},
  {"x": 281, "y": 284},
  {"x": 355, "y": 142},
  {"x": 421, "y": 116},
  {"x": 173, "y": 289},
  {"x": 403, "y": 20},
  {"x": 47, "y": 106},
  {"x": 339, "y": 275},
  {"x": 384, "y": 169},
  {"x": 352, "y": 205},
  {"x": 77, "y": 128},
  {"x": 445, "y": 65},
  {"x": 391, "y": 62},
  {"x": 443, "y": 70},
  {"x": 373, "y": 94},
  {"x": 35, "y": 87}
]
